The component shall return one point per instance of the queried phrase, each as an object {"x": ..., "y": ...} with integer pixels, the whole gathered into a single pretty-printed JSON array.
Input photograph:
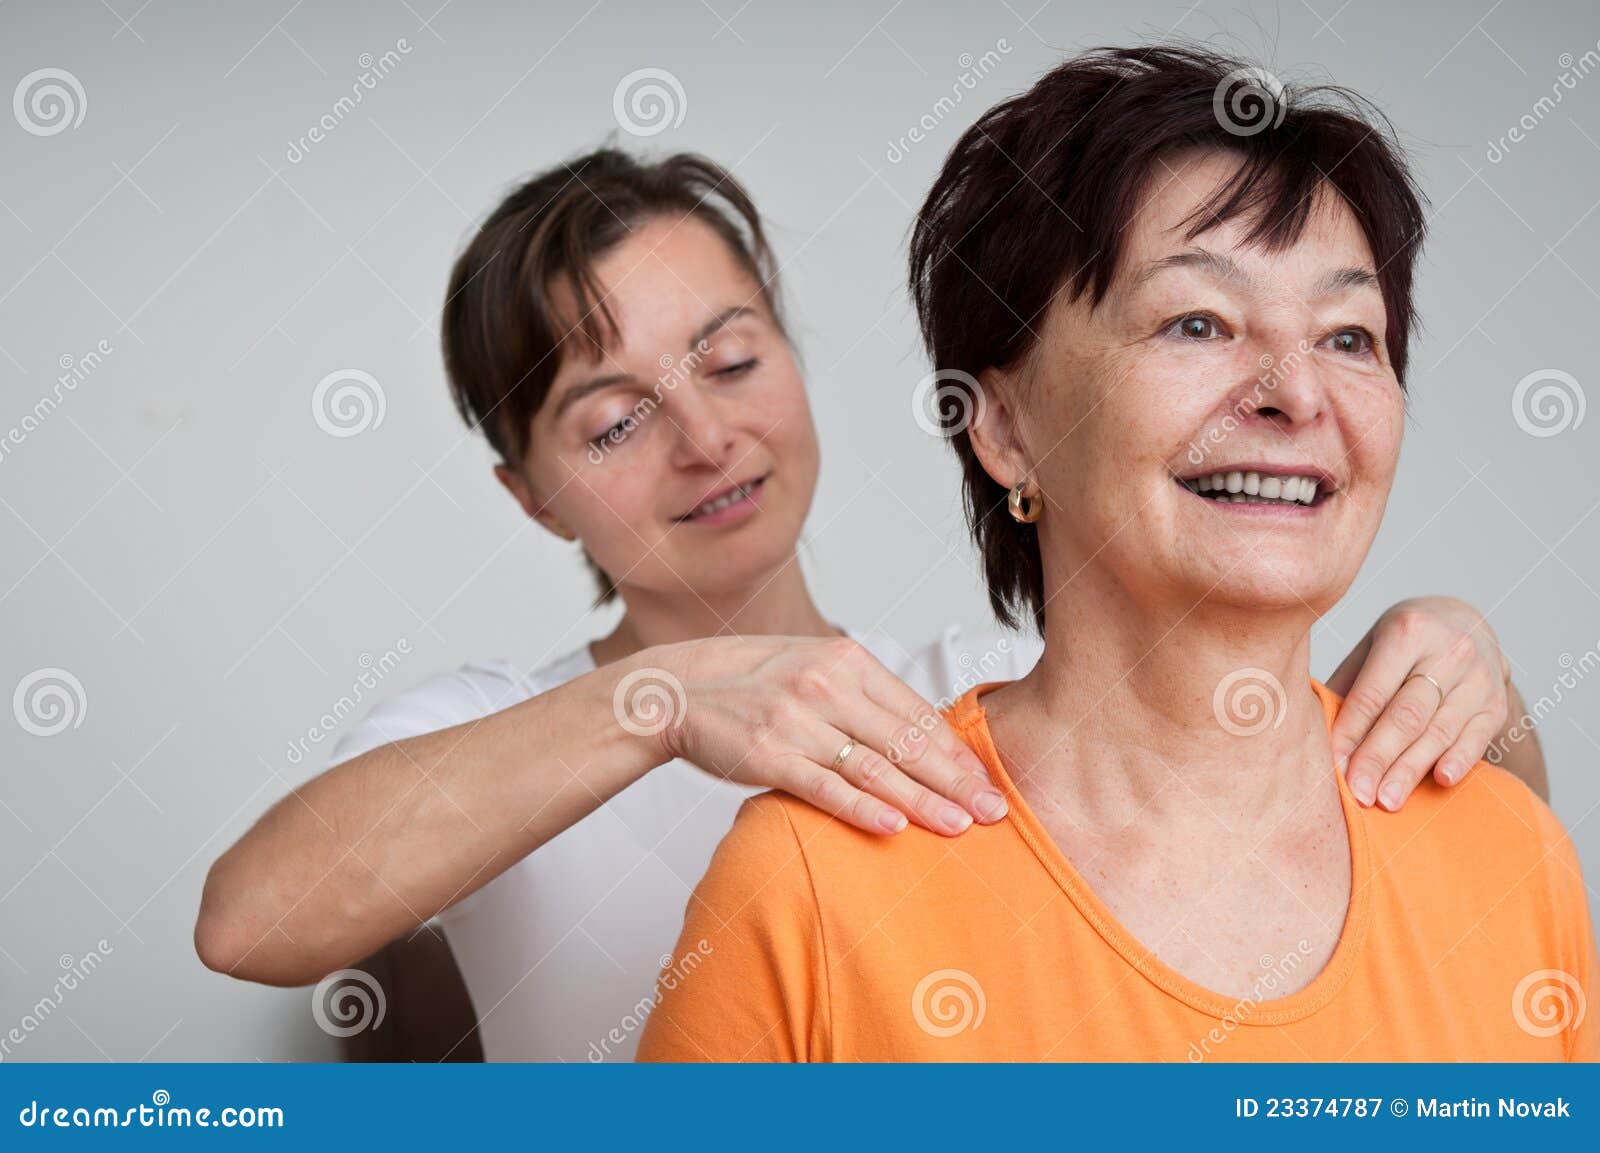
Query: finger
[
  {"x": 1398, "y": 726},
  {"x": 1345, "y": 675},
  {"x": 1390, "y": 660},
  {"x": 934, "y": 765},
  {"x": 1442, "y": 730},
  {"x": 831, "y": 793},
  {"x": 933, "y": 733},
  {"x": 871, "y": 773},
  {"x": 1468, "y": 750}
]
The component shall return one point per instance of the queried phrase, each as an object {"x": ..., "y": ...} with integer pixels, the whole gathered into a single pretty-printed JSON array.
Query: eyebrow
[
  {"x": 596, "y": 384},
  {"x": 1220, "y": 267}
]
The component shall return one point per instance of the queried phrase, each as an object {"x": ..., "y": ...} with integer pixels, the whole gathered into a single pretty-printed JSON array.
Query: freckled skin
[
  {"x": 1131, "y": 398},
  {"x": 1107, "y": 412}
]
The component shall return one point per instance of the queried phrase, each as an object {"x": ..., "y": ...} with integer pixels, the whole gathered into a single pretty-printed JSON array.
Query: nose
[
  {"x": 704, "y": 431},
  {"x": 1289, "y": 389}
]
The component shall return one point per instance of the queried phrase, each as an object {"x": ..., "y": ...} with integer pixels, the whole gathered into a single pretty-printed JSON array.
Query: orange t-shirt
[{"x": 1467, "y": 938}]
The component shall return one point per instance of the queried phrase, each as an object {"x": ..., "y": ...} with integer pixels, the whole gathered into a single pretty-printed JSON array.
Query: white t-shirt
[{"x": 561, "y": 951}]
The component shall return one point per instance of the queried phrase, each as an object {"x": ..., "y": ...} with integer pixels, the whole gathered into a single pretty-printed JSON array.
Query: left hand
[{"x": 1395, "y": 725}]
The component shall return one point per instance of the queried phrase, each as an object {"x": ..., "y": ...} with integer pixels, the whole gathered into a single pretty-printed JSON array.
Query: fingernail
[
  {"x": 1390, "y": 796},
  {"x": 1362, "y": 788},
  {"x": 1449, "y": 774},
  {"x": 891, "y": 821},
  {"x": 954, "y": 818},
  {"x": 991, "y": 806}
]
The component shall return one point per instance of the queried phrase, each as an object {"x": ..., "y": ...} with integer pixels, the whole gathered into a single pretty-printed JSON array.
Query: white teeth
[
  {"x": 1242, "y": 487},
  {"x": 723, "y": 502}
]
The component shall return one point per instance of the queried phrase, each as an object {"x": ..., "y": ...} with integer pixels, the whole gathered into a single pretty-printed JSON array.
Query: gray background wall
[{"x": 181, "y": 535}]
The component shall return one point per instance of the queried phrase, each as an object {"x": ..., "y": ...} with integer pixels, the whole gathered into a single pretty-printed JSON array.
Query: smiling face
[
  {"x": 1210, "y": 360},
  {"x": 683, "y": 455}
]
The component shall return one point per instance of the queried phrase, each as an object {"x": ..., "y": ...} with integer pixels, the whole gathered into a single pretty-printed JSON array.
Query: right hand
[{"x": 774, "y": 712}]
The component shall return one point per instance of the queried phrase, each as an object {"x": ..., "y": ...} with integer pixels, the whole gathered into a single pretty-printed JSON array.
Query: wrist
[{"x": 647, "y": 700}]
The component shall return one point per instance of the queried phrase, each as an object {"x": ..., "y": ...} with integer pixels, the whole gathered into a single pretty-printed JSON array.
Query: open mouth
[
  {"x": 726, "y": 504},
  {"x": 1262, "y": 487}
]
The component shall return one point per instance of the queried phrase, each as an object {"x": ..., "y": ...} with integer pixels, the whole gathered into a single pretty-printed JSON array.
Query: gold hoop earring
[{"x": 1025, "y": 507}]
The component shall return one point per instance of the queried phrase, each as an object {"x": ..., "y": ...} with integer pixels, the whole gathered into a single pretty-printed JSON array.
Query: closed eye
[
  {"x": 615, "y": 433},
  {"x": 736, "y": 370}
]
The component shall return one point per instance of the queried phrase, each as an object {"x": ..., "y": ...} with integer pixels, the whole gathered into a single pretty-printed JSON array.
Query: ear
[
  {"x": 517, "y": 485},
  {"x": 996, "y": 428}
]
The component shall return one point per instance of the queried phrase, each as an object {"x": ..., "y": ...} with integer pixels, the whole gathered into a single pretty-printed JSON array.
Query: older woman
[{"x": 1125, "y": 276}]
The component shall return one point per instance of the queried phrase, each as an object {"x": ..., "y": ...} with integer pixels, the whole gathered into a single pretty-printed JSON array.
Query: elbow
[
  {"x": 213, "y": 943},
  {"x": 219, "y": 933},
  {"x": 229, "y": 941}
]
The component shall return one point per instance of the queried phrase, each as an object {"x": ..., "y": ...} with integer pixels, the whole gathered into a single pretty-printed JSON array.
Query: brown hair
[
  {"x": 1035, "y": 197},
  {"x": 502, "y": 335}
]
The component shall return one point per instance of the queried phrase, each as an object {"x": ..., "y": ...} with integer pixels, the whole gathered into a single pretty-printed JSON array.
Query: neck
[
  {"x": 1124, "y": 706},
  {"x": 776, "y": 604}
]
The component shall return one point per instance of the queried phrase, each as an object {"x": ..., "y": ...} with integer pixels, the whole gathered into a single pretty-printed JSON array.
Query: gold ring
[
  {"x": 1431, "y": 681},
  {"x": 844, "y": 755}
]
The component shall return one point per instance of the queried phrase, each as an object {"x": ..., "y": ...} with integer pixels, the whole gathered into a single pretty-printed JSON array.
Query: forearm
[
  {"x": 1518, "y": 746},
  {"x": 377, "y": 845}
]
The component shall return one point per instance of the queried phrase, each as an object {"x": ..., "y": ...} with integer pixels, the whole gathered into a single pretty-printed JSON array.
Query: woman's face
[
  {"x": 1210, "y": 358},
  {"x": 684, "y": 455}
]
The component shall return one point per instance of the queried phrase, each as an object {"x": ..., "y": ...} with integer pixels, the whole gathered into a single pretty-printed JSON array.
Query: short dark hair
[
  {"x": 1035, "y": 197},
  {"x": 503, "y": 339},
  {"x": 503, "y": 336}
]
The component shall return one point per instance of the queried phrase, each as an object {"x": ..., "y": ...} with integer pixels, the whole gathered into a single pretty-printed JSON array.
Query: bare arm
[
  {"x": 382, "y": 842},
  {"x": 1516, "y": 747},
  {"x": 379, "y": 844}
]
